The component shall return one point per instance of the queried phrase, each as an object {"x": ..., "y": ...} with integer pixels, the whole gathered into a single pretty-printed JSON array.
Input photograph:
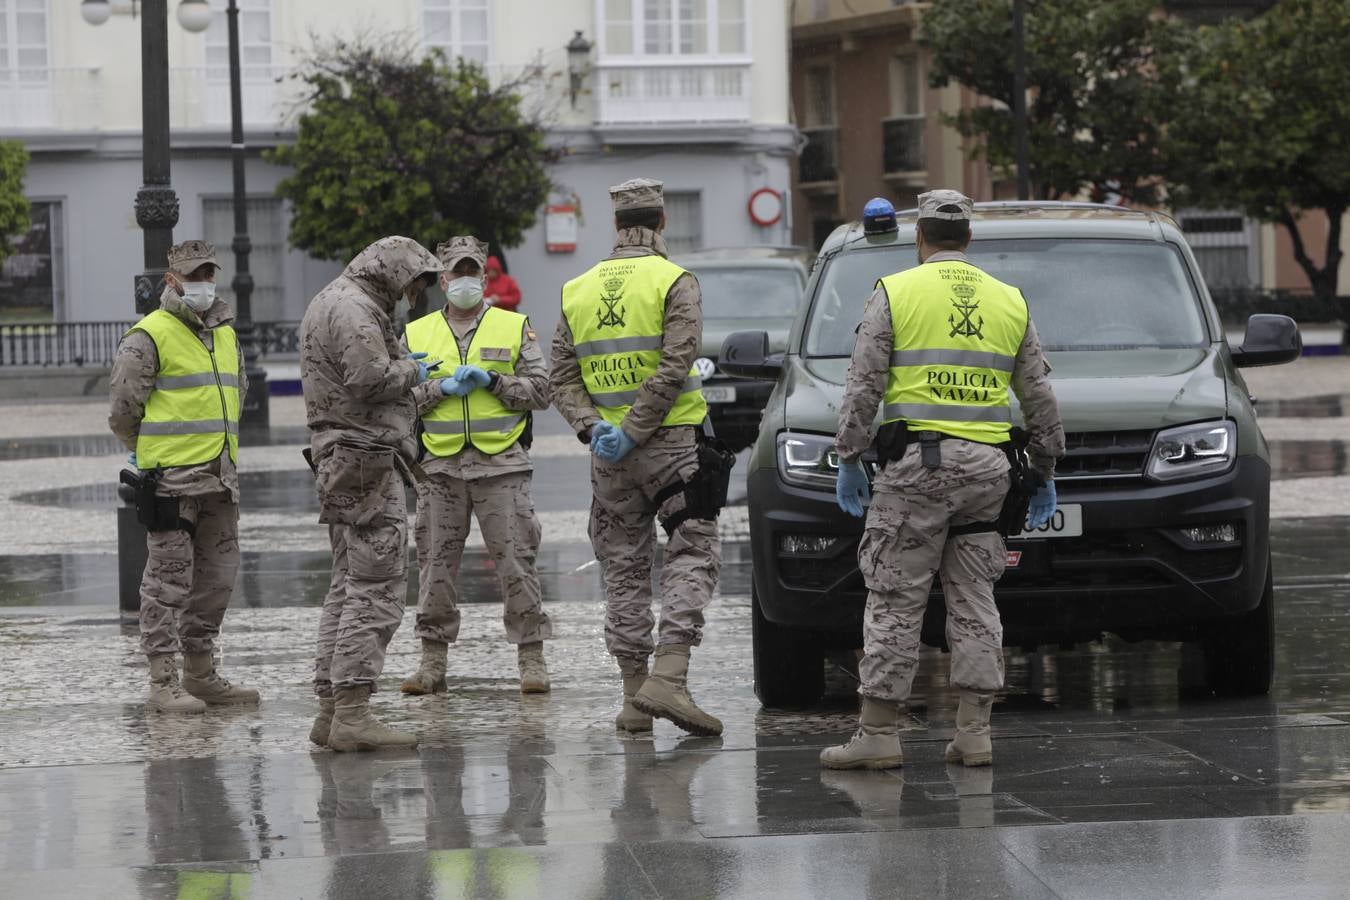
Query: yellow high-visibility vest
[
  {"x": 478, "y": 419},
  {"x": 617, "y": 313},
  {"x": 193, "y": 411},
  {"x": 957, "y": 332}
]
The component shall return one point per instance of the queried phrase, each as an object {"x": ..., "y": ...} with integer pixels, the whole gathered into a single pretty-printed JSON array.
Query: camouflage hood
[{"x": 384, "y": 268}]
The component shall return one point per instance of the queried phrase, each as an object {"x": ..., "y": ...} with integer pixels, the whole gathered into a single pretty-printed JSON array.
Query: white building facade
[{"x": 694, "y": 92}]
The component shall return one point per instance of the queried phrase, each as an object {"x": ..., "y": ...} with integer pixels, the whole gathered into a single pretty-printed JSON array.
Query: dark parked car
[
  {"x": 756, "y": 288},
  {"x": 1163, "y": 525}
]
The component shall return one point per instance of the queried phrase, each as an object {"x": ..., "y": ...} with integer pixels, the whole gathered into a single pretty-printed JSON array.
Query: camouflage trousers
[
  {"x": 505, "y": 512},
  {"x": 905, "y": 544},
  {"x": 624, "y": 514},
  {"x": 188, "y": 580},
  {"x": 366, "y": 596}
]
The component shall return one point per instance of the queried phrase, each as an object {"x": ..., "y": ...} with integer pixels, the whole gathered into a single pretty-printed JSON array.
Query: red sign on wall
[{"x": 560, "y": 229}]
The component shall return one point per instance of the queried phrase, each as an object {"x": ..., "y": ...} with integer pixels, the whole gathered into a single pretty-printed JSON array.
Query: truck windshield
[
  {"x": 1083, "y": 294},
  {"x": 754, "y": 292}
]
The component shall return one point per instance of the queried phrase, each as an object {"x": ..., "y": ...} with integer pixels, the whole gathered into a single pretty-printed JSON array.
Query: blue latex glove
[
  {"x": 421, "y": 366},
  {"x": 613, "y": 445},
  {"x": 473, "y": 376},
  {"x": 1042, "y": 507},
  {"x": 598, "y": 431},
  {"x": 131, "y": 458},
  {"x": 852, "y": 491},
  {"x": 453, "y": 387}
]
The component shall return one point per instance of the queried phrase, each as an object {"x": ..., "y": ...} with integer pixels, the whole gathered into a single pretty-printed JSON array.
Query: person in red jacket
[{"x": 501, "y": 289}]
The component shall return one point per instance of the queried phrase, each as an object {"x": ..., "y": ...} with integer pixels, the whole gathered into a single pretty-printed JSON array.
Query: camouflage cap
[
  {"x": 638, "y": 193},
  {"x": 932, "y": 203},
  {"x": 187, "y": 257},
  {"x": 461, "y": 247}
]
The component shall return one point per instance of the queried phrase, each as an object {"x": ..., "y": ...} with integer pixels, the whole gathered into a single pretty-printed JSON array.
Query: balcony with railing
[
  {"x": 48, "y": 98},
  {"x": 819, "y": 162},
  {"x": 658, "y": 92},
  {"x": 200, "y": 97},
  {"x": 902, "y": 147}
]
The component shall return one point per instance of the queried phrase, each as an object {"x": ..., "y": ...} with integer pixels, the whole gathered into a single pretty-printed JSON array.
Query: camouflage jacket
[
  {"x": 527, "y": 389},
  {"x": 683, "y": 328},
  {"x": 356, "y": 380},
  {"x": 133, "y": 378},
  {"x": 870, "y": 368}
]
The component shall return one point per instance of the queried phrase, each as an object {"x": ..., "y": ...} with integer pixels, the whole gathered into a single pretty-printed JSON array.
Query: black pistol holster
[
  {"x": 706, "y": 493},
  {"x": 891, "y": 441},
  {"x": 1023, "y": 483},
  {"x": 157, "y": 513}
]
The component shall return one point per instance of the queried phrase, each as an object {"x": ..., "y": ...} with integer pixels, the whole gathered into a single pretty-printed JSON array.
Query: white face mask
[
  {"x": 199, "y": 295},
  {"x": 465, "y": 292}
]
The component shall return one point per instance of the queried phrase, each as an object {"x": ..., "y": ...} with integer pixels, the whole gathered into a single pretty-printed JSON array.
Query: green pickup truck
[{"x": 1163, "y": 524}]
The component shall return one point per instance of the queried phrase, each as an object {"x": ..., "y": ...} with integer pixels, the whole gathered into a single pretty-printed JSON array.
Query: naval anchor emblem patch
[
  {"x": 612, "y": 295},
  {"x": 966, "y": 306}
]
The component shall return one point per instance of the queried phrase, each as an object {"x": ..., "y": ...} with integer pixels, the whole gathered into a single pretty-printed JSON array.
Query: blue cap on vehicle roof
[{"x": 879, "y": 216}]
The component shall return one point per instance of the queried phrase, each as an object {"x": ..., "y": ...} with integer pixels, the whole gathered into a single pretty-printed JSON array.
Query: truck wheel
[
  {"x": 789, "y": 663},
  {"x": 1240, "y": 655}
]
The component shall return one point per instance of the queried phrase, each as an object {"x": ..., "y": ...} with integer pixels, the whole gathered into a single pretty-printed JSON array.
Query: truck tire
[
  {"x": 789, "y": 663},
  {"x": 1240, "y": 655}
]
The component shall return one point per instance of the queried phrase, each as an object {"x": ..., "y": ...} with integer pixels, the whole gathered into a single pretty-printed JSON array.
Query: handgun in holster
[
  {"x": 1023, "y": 483},
  {"x": 705, "y": 495},
  {"x": 153, "y": 510}
]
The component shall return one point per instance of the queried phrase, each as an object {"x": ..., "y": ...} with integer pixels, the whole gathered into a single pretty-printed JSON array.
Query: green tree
[
  {"x": 14, "y": 206},
  {"x": 420, "y": 148},
  {"x": 1263, "y": 124},
  {"x": 1095, "y": 104}
]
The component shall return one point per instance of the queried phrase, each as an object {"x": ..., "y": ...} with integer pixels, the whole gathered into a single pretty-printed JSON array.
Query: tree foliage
[
  {"x": 421, "y": 148},
  {"x": 1263, "y": 123},
  {"x": 14, "y": 206},
  {"x": 1095, "y": 104}
]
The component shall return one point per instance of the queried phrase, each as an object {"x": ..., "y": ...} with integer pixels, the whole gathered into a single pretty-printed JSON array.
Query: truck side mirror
[
  {"x": 745, "y": 354},
  {"x": 1271, "y": 340}
]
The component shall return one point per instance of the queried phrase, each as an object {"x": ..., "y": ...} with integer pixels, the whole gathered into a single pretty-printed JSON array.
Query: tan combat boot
[
  {"x": 876, "y": 743},
  {"x": 430, "y": 675},
  {"x": 201, "y": 680},
  {"x": 354, "y": 728},
  {"x": 972, "y": 746},
  {"x": 634, "y": 676},
  {"x": 323, "y": 722},
  {"x": 533, "y": 672},
  {"x": 666, "y": 693},
  {"x": 166, "y": 694}
]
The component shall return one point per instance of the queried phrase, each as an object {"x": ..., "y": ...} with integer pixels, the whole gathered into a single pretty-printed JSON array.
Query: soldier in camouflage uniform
[
  {"x": 473, "y": 422},
  {"x": 189, "y": 575},
  {"x": 624, "y": 383},
  {"x": 932, "y": 516},
  {"x": 359, "y": 406}
]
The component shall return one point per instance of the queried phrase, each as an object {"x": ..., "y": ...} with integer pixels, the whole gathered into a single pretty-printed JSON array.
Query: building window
[
  {"x": 684, "y": 221},
  {"x": 23, "y": 42},
  {"x": 266, "y": 261},
  {"x": 459, "y": 28},
  {"x": 1224, "y": 247},
  {"x": 819, "y": 161},
  {"x": 902, "y": 135},
  {"x": 255, "y": 39},
  {"x": 32, "y": 280},
  {"x": 906, "y": 86},
  {"x": 675, "y": 27}
]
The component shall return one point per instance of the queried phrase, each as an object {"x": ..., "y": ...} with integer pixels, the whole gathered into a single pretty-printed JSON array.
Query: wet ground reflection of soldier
[
  {"x": 189, "y": 818},
  {"x": 352, "y": 827}
]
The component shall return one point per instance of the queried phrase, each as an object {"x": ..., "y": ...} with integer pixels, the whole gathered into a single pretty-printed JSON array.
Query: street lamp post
[
  {"x": 1020, "y": 98},
  {"x": 254, "y": 412}
]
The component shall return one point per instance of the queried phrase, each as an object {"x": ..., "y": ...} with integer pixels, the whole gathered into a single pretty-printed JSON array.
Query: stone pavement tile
[
  {"x": 1280, "y": 799},
  {"x": 1289, "y": 857},
  {"x": 1135, "y": 804},
  {"x": 929, "y": 864},
  {"x": 1308, "y": 757}
]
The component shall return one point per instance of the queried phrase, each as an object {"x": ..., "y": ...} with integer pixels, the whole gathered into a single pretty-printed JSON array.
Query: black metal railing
[
  {"x": 820, "y": 156},
  {"x": 95, "y": 343},
  {"x": 902, "y": 144}
]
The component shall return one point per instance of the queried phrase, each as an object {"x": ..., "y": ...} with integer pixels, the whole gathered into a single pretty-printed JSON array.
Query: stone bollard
[{"x": 131, "y": 551}]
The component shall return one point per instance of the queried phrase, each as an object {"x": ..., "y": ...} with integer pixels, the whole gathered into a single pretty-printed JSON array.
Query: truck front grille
[{"x": 1104, "y": 454}]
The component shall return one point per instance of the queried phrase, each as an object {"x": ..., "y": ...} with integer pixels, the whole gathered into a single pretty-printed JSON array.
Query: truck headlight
[
  {"x": 1190, "y": 451},
  {"x": 808, "y": 460}
]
